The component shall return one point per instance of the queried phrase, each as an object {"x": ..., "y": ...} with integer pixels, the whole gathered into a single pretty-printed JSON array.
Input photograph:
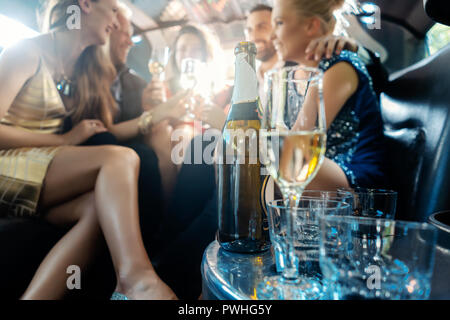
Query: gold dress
[{"x": 38, "y": 108}]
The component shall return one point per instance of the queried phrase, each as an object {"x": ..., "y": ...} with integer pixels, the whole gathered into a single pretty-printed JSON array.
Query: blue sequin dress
[{"x": 355, "y": 139}]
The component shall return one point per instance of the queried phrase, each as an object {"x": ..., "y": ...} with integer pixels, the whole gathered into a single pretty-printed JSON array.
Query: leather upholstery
[
  {"x": 441, "y": 274},
  {"x": 416, "y": 112},
  {"x": 438, "y": 10},
  {"x": 25, "y": 243}
]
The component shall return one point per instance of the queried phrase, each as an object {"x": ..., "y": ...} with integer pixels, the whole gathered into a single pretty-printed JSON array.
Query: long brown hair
[
  {"x": 211, "y": 52},
  {"x": 208, "y": 40},
  {"x": 94, "y": 71}
]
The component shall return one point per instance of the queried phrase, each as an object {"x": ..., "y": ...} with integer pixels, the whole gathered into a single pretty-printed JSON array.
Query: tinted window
[{"x": 438, "y": 37}]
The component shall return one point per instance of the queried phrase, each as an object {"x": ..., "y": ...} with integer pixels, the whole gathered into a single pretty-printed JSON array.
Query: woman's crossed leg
[{"x": 95, "y": 189}]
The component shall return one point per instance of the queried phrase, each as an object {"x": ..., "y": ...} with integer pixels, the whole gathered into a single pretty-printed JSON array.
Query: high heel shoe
[{"x": 118, "y": 296}]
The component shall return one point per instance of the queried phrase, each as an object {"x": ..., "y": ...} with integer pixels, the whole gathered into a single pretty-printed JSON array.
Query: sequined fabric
[
  {"x": 37, "y": 108},
  {"x": 118, "y": 296},
  {"x": 355, "y": 139},
  {"x": 294, "y": 101},
  {"x": 342, "y": 138}
]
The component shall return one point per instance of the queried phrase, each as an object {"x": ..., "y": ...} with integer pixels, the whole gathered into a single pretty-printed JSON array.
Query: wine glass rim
[
  {"x": 166, "y": 52},
  {"x": 378, "y": 222},
  {"x": 275, "y": 131},
  {"x": 192, "y": 59},
  {"x": 326, "y": 191},
  {"x": 318, "y": 73},
  {"x": 360, "y": 190},
  {"x": 274, "y": 204}
]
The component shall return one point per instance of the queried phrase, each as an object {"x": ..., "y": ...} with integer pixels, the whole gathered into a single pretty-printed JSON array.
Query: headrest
[{"x": 438, "y": 10}]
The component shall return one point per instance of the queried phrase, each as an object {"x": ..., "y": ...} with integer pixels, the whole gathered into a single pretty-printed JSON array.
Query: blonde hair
[
  {"x": 323, "y": 9},
  {"x": 125, "y": 10},
  {"x": 94, "y": 71}
]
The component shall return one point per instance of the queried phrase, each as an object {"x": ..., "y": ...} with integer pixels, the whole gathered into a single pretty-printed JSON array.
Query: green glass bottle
[{"x": 243, "y": 224}]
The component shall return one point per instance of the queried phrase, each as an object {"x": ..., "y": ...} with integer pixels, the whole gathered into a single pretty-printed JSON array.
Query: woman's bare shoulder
[
  {"x": 24, "y": 55},
  {"x": 342, "y": 74}
]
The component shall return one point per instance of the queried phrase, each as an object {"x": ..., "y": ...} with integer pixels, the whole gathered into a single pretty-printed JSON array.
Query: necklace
[{"x": 65, "y": 86}]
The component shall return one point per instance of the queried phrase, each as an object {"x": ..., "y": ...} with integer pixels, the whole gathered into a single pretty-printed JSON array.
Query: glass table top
[{"x": 234, "y": 276}]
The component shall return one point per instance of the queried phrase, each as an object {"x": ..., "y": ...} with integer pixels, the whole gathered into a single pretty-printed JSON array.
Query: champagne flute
[
  {"x": 293, "y": 148},
  {"x": 158, "y": 62},
  {"x": 189, "y": 80}
]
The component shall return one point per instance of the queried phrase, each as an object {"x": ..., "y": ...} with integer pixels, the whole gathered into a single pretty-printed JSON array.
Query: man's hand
[
  {"x": 153, "y": 95},
  {"x": 172, "y": 109},
  {"x": 209, "y": 113},
  {"x": 326, "y": 46}
]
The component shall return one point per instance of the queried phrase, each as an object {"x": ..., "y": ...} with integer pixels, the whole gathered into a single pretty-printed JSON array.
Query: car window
[{"x": 438, "y": 37}]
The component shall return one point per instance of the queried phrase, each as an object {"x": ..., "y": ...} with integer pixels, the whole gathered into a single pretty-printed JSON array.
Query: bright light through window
[
  {"x": 438, "y": 37},
  {"x": 12, "y": 31}
]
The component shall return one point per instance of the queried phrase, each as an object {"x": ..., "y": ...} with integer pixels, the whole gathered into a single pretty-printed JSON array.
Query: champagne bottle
[{"x": 243, "y": 224}]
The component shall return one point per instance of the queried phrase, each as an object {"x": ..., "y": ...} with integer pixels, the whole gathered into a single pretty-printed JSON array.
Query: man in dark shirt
[{"x": 130, "y": 92}]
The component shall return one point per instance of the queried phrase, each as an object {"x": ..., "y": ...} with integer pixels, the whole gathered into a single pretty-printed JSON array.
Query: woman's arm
[
  {"x": 340, "y": 82},
  {"x": 212, "y": 114},
  {"x": 173, "y": 108}
]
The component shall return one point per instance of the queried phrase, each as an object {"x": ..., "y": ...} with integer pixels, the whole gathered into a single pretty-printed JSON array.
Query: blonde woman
[
  {"x": 355, "y": 154},
  {"x": 92, "y": 189}
]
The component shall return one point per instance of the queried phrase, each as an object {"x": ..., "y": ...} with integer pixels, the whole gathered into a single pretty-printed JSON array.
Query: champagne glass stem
[{"x": 291, "y": 198}]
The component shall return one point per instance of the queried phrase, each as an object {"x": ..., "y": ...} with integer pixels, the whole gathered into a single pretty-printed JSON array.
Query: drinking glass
[
  {"x": 191, "y": 71},
  {"x": 373, "y": 203},
  {"x": 306, "y": 243},
  {"x": 293, "y": 142},
  {"x": 158, "y": 62},
  {"x": 342, "y": 196},
  {"x": 368, "y": 258}
]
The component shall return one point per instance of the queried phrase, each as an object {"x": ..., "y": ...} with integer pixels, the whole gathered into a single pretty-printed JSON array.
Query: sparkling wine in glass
[
  {"x": 300, "y": 155},
  {"x": 293, "y": 145},
  {"x": 189, "y": 79},
  {"x": 158, "y": 62}
]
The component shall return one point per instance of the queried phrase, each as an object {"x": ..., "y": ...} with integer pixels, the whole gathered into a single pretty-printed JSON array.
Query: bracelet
[{"x": 145, "y": 122}]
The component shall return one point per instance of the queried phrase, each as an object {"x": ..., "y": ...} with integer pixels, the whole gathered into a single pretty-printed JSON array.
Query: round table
[{"x": 233, "y": 276}]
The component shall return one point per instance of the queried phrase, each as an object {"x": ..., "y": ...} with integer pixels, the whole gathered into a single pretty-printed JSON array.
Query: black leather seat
[
  {"x": 441, "y": 274},
  {"x": 438, "y": 10},
  {"x": 416, "y": 111},
  {"x": 24, "y": 244}
]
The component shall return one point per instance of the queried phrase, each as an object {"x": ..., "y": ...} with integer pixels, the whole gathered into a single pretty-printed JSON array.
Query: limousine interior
[{"x": 409, "y": 38}]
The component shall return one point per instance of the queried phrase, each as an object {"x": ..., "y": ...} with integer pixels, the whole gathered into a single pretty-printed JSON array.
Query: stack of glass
[{"x": 341, "y": 244}]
